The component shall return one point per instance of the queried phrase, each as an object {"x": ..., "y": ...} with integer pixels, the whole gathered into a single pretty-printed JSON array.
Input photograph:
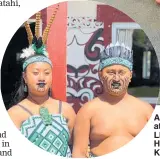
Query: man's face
[{"x": 115, "y": 79}]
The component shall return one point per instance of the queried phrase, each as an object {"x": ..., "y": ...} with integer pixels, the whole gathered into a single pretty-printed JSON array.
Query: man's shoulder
[
  {"x": 138, "y": 100},
  {"x": 90, "y": 106},
  {"x": 91, "y": 103},
  {"x": 140, "y": 103}
]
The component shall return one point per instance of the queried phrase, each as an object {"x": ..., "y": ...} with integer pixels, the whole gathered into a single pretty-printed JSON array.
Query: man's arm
[
  {"x": 146, "y": 108},
  {"x": 149, "y": 111},
  {"x": 81, "y": 133}
]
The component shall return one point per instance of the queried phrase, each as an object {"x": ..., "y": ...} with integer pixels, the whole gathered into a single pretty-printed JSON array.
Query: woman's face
[
  {"x": 38, "y": 78},
  {"x": 115, "y": 79}
]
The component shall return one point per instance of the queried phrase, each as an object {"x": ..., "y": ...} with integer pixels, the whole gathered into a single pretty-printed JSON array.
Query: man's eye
[
  {"x": 122, "y": 73},
  {"x": 110, "y": 72}
]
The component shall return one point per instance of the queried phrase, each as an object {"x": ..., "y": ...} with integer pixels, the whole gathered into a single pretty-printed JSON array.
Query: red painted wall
[
  {"x": 56, "y": 46},
  {"x": 108, "y": 15},
  {"x": 43, "y": 16},
  {"x": 56, "y": 43}
]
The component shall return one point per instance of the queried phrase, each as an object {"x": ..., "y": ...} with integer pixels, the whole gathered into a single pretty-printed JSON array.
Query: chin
[
  {"x": 116, "y": 93},
  {"x": 41, "y": 94}
]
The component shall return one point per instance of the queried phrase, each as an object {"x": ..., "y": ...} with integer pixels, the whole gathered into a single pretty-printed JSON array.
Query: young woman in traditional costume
[{"x": 46, "y": 122}]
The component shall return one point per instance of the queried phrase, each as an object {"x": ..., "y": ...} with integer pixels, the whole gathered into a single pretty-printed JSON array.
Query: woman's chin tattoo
[{"x": 41, "y": 87}]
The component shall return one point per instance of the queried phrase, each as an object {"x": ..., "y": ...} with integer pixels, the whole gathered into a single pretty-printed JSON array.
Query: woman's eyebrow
[{"x": 47, "y": 69}]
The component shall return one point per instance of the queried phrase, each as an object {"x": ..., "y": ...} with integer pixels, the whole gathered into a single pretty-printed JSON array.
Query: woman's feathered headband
[{"x": 36, "y": 42}]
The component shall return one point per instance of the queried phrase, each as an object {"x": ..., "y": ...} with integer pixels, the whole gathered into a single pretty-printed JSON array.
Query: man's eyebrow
[
  {"x": 110, "y": 70},
  {"x": 122, "y": 70}
]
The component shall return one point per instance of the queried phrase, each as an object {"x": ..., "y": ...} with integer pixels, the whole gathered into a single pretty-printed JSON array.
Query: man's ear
[
  {"x": 24, "y": 77},
  {"x": 100, "y": 75},
  {"x": 131, "y": 73}
]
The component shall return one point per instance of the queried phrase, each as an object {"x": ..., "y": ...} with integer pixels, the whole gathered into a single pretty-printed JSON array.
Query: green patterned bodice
[{"x": 48, "y": 131}]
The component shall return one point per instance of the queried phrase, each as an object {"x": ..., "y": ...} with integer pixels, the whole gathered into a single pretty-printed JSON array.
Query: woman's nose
[{"x": 41, "y": 77}]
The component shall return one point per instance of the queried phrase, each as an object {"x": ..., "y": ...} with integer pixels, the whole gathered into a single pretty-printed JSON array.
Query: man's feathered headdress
[{"x": 116, "y": 54}]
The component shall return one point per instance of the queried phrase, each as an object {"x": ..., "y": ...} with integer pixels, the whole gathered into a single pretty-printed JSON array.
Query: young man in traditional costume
[{"x": 113, "y": 119}]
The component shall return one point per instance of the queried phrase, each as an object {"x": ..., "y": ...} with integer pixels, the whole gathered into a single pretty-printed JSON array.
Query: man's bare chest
[{"x": 107, "y": 122}]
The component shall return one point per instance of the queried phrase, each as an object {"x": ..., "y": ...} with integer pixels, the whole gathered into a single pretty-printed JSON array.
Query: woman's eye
[
  {"x": 35, "y": 73},
  {"x": 47, "y": 73}
]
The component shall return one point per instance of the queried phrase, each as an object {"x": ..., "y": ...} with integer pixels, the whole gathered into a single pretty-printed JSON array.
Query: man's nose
[{"x": 116, "y": 78}]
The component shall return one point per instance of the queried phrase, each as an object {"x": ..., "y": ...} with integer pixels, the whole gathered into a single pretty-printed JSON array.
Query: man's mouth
[{"x": 115, "y": 85}]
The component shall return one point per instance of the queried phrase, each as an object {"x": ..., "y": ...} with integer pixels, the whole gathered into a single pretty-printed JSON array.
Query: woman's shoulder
[
  {"x": 14, "y": 110},
  {"x": 17, "y": 115},
  {"x": 57, "y": 102},
  {"x": 68, "y": 111},
  {"x": 65, "y": 107},
  {"x": 17, "y": 111}
]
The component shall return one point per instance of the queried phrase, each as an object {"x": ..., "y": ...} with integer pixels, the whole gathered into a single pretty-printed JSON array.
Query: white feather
[{"x": 27, "y": 52}]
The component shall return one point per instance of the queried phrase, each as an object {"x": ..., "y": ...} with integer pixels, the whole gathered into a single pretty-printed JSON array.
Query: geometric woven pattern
[
  {"x": 52, "y": 138},
  {"x": 91, "y": 155},
  {"x": 116, "y": 54},
  {"x": 114, "y": 61},
  {"x": 36, "y": 59}
]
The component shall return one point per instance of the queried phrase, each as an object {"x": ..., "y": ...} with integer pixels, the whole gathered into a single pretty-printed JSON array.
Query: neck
[
  {"x": 37, "y": 99},
  {"x": 113, "y": 99}
]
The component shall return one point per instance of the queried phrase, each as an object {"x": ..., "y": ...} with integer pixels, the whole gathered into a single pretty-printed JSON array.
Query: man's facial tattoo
[{"x": 115, "y": 87}]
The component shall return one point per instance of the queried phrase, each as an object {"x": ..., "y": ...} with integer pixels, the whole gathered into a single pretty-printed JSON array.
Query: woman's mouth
[{"x": 41, "y": 85}]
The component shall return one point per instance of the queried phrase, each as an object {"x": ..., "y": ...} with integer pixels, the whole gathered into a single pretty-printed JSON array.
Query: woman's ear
[{"x": 24, "y": 77}]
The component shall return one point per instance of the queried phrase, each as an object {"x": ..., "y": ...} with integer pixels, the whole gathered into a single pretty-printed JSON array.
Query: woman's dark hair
[{"x": 19, "y": 94}]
